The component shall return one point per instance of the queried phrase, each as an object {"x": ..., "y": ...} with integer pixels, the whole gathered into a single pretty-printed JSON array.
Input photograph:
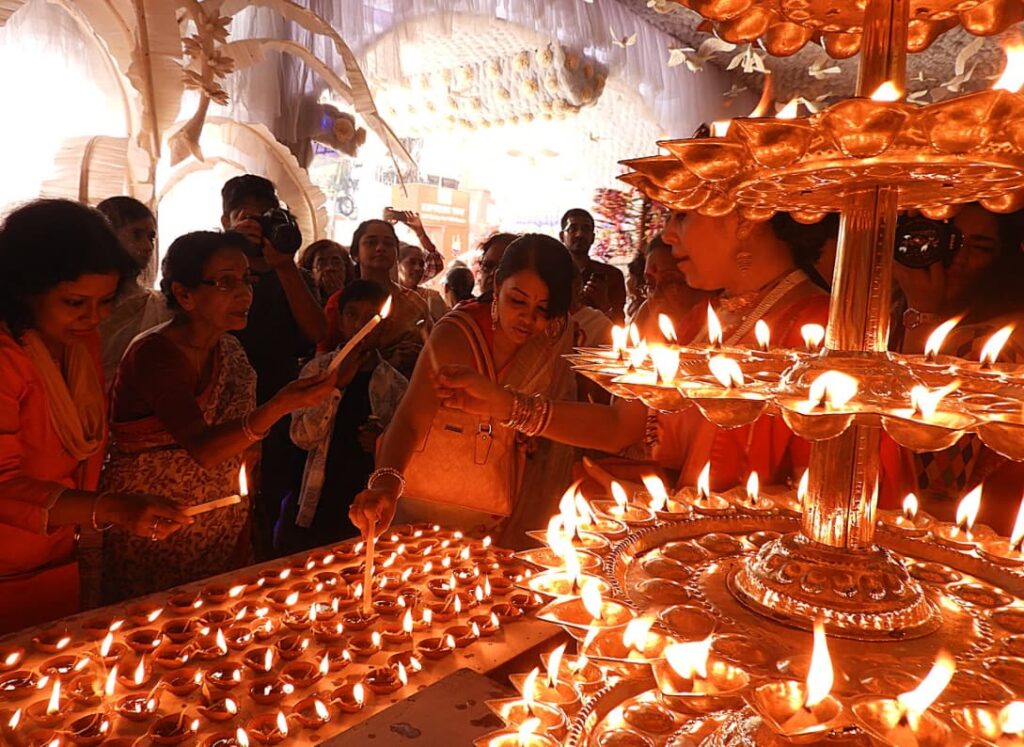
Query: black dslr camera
[
  {"x": 921, "y": 242},
  {"x": 281, "y": 229}
]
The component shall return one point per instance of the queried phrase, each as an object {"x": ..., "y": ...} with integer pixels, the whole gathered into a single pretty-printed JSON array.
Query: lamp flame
[
  {"x": 229, "y": 706},
  {"x": 1012, "y": 78},
  {"x": 619, "y": 338},
  {"x": 530, "y": 688},
  {"x": 714, "y": 327},
  {"x": 888, "y": 91},
  {"x": 619, "y": 494},
  {"x": 689, "y": 660},
  {"x": 385, "y": 310},
  {"x": 720, "y": 127},
  {"x": 804, "y": 486},
  {"x": 936, "y": 339},
  {"x": 242, "y": 738},
  {"x": 321, "y": 711},
  {"x": 1011, "y": 718},
  {"x": 910, "y": 506},
  {"x": 554, "y": 665},
  {"x": 1017, "y": 535},
  {"x": 763, "y": 334},
  {"x": 222, "y": 644},
  {"x": 111, "y": 683},
  {"x": 666, "y": 362},
  {"x": 108, "y": 641},
  {"x": 634, "y": 335},
  {"x": 635, "y": 634},
  {"x": 592, "y": 603},
  {"x": 656, "y": 489},
  {"x": 403, "y": 676},
  {"x": 704, "y": 482},
  {"x": 833, "y": 389},
  {"x": 282, "y": 722},
  {"x": 753, "y": 487},
  {"x": 994, "y": 345},
  {"x": 407, "y": 621},
  {"x": 789, "y": 111},
  {"x": 243, "y": 482},
  {"x": 819, "y": 675},
  {"x": 726, "y": 370},
  {"x": 15, "y": 720},
  {"x": 268, "y": 660},
  {"x": 925, "y": 401},
  {"x": 668, "y": 330},
  {"x": 637, "y": 355},
  {"x": 917, "y": 701},
  {"x": 140, "y": 671},
  {"x": 53, "y": 706},
  {"x": 813, "y": 335},
  {"x": 527, "y": 728},
  {"x": 967, "y": 510}
]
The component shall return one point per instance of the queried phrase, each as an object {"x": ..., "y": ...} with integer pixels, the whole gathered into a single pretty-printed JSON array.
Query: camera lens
[{"x": 921, "y": 242}]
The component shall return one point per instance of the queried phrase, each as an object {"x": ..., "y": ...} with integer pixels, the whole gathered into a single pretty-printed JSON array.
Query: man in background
[
  {"x": 604, "y": 286},
  {"x": 285, "y": 323}
]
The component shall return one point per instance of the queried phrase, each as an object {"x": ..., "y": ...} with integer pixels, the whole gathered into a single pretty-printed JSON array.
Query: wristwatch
[{"x": 912, "y": 318}]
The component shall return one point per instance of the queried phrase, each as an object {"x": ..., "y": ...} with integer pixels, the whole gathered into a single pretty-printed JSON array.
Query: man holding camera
[{"x": 285, "y": 323}]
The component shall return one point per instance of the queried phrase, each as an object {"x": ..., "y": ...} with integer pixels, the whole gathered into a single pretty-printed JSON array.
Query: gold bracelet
[{"x": 96, "y": 503}]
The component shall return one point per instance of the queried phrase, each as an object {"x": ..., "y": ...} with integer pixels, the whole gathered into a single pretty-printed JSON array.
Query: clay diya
[
  {"x": 15, "y": 686},
  {"x": 219, "y": 710},
  {"x": 89, "y": 730},
  {"x": 269, "y": 690},
  {"x": 260, "y": 660},
  {"x": 349, "y": 698},
  {"x": 143, "y": 641},
  {"x": 311, "y": 713},
  {"x": 181, "y": 630},
  {"x": 291, "y": 647},
  {"x": 239, "y": 637},
  {"x": 386, "y": 680},
  {"x": 337, "y": 658},
  {"x": 52, "y": 641},
  {"x": 173, "y": 729},
  {"x": 301, "y": 674},
  {"x": 184, "y": 682},
  {"x": 365, "y": 644},
  {"x": 225, "y": 676},
  {"x": 268, "y": 728},
  {"x": 435, "y": 648},
  {"x": 136, "y": 708}
]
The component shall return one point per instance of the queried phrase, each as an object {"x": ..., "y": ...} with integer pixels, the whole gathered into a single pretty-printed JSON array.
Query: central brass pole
[{"x": 839, "y": 509}]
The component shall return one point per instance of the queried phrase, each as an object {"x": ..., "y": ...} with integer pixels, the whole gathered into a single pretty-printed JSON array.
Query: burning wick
[
  {"x": 358, "y": 337},
  {"x": 918, "y": 700},
  {"x": 994, "y": 346},
  {"x": 668, "y": 330},
  {"x": 714, "y": 328},
  {"x": 967, "y": 511},
  {"x": 832, "y": 390},
  {"x": 726, "y": 370},
  {"x": 620, "y": 337},
  {"x": 704, "y": 484},
  {"x": 762, "y": 334},
  {"x": 1012, "y": 78},
  {"x": 1017, "y": 536},
  {"x": 935, "y": 340},
  {"x": 887, "y": 92},
  {"x": 789, "y": 111},
  {"x": 924, "y": 402},
  {"x": 666, "y": 362},
  {"x": 720, "y": 127},
  {"x": 910, "y": 507},
  {"x": 813, "y": 335},
  {"x": 656, "y": 489},
  {"x": 753, "y": 488}
]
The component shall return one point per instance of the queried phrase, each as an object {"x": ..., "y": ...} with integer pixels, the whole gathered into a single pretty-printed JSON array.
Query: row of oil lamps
[
  {"x": 689, "y": 678},
  {"x": 292, "y": 629},
  {"x": 733, "y": 386}
]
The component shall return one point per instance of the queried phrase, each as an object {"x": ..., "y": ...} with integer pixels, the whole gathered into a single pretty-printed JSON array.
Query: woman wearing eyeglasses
[{"x": 183, "y": 415}]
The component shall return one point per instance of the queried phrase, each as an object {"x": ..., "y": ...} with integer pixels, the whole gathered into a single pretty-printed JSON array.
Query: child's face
[{"x": 355, "y": 315}]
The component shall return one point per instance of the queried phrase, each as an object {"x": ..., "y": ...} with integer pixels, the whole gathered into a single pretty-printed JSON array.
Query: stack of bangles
[
  {"x": 387, "y": 472},
  {"x": 530, "y": 414},
  {"x": 247, "y": 430}
]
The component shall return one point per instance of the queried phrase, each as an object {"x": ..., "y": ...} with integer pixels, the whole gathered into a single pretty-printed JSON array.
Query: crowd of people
[{"x": 122, "y": 406}]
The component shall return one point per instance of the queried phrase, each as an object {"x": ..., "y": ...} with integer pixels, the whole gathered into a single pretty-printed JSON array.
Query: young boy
[{"x": 341, "y": 434}]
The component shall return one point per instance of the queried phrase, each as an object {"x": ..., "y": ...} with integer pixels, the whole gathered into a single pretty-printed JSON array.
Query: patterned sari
[{"x": 144, "y": 458}]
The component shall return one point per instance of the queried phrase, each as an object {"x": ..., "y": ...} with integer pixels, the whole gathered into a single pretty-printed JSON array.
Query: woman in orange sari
[
  {"x": 60, "y": 267},
  {"x": 757, "y": 271}
]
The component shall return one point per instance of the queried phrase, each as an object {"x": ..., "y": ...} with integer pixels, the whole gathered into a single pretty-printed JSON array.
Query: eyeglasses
[{"x": 230, "y": 283}]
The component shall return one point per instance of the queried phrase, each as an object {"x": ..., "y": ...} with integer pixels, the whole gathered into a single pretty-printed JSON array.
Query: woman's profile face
[
  {"x": 411, "y": 269},
  {"x": 704, "y": 248},
  {"x": 522, "y": 305},
  {"x": 73, "y": 309},
  {"x": 222, "y": 300},
  {"x": 378, "y": 248},
  {"x": 981, "y": 247}
]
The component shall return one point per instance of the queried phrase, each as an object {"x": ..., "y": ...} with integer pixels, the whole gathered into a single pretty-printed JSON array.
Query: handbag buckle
[{"x": 485, "y": 429}]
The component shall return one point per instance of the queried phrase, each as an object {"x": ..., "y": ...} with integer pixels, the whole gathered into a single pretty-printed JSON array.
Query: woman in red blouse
[{"x": 60, "y": 267}]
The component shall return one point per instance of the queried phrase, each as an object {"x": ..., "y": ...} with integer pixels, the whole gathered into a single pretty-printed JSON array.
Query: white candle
[{"x": 358, "y": 336}]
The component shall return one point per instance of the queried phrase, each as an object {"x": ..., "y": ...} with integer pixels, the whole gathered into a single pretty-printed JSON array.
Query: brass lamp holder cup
[
  {"x": 724, "y": 687},
  {"x": 556, "y": 583},
  {"x": 981, "y": 721},
  {"x": 884, "y": 719},
  {"x": 570, "y": 613},
  {"x": 781, "y": 705}
]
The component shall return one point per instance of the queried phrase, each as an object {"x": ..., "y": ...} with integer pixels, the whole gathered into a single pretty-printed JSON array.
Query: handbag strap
[{"x": 477, "y": 343}]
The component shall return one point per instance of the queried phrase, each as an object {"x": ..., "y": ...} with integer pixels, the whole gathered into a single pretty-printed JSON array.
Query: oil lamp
[
  {"x": 907, "y": 521},
  {"x": 387, "y": 680},
  {"x": 137, "y": 677},
  {"x": 802, "y": 711},
  {"x": 749, "y": 498},
  {"x": 1007, "y": 552},
  {"x": 365, "y": 645},
  {"x": 702, "y": 500},
  {"x": 291, "y": 647},
  {"x": 587, "y": 611},
  {"x": 337, "y": 658},
  {"x": 690, "y": 681},
  {"x": 224, "y": 677},
  {"x": 991, "y": 725},
  {"x": 301, "y": 674},
  {"x": 268, "y": 728},
  {"x": 311, "y": 713},
  {"x": 173, "y": 729},
  {"x": 269, "y": 690},
  {"x": 49, "y": 712},
  {"x": 227, "y": 739},
  {"x": 219, "y": 710},
  {"x": 52, "y": 641},
  {"x": 906, "y": 721},
  {"x": 181, "y": 630},
  {"x": 550, "y": 689},
  {"x": 763, "y": 335},
  {"x": 525, "y": 735},
  {"x": 89, "y": 730},
  {"x": 813, "y": 335},
  {"x": 435, "y": 648},
  {"x": 515, "y": 711},
  {"x": 960, "y": 535},
  {"x": 620, "y": 509},
  {"x": 349, "y": 698}
]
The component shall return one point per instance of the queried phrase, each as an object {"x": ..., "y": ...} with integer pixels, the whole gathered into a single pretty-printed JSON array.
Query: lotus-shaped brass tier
[
  {"x": 785, "y": 26},
  {"x": 960, "y": 150},
  {"x": 988, "y": 400}
]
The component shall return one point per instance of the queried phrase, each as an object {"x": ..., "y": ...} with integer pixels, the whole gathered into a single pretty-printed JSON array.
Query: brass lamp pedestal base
[{"x": 866, "y": 595}]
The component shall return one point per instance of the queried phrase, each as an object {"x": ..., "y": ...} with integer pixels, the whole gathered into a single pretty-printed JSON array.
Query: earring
[
  {"x": 494, "y": 312},
  {"x": 554, "y": 329},
  {"x": 744, "y": 260}
]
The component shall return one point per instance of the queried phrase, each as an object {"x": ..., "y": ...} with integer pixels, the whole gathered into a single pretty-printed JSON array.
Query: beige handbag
[{"x": 466, "y": 460}]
